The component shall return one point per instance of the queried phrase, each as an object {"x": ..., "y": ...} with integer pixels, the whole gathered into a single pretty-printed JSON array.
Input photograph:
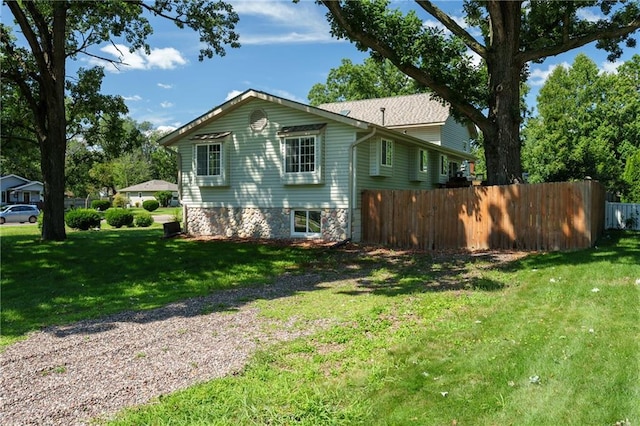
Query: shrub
[
  {"x": 163, "y": 197},
  {"x": 119, "y": 217},
  {"x": 143, "y": 220},
  {"x": 150, "y": 205},
  {"x": 100, "y": 205},
  {"x": 82, "y": 219},
  {"x": 120, "y": 200}
]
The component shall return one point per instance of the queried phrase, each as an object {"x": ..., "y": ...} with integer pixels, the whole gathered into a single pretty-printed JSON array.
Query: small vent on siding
[{"x": 258, "y": 120}]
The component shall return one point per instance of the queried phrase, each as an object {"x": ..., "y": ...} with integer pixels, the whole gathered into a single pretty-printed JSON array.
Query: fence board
[
  {"x": 551, "y": 216},
  {"x": 622, "y": 216}
]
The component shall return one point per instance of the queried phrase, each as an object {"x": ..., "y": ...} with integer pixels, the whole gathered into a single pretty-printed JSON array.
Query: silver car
[{"x": 19, "y": 213}]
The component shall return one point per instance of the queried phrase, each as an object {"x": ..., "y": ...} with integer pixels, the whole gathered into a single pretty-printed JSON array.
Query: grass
[
  {"x": 548, "y": 339},
  {"x": 97, "y": 273}
]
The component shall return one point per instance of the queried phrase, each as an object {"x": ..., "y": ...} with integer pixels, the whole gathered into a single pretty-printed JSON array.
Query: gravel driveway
[{"x": 67, "y": 375}]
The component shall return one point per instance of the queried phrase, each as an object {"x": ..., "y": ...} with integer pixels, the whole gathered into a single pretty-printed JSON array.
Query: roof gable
[
  {"x": 246, "y": 97},
  {"x": 409, "y": 110},
  {"x": 151, "y": 185}
]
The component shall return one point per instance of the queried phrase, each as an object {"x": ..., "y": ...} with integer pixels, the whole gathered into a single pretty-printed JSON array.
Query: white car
[{"x": 19, "y": 213}]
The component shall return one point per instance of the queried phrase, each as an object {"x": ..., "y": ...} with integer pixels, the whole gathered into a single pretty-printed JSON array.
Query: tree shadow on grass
[{"x": 102, "y": 278}]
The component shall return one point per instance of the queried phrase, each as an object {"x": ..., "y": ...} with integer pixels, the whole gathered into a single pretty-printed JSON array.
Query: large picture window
[
  {"x": 300, "y": 154},
  {"x": 209, "y": 159},
  {"x": 306, "y": 223}
]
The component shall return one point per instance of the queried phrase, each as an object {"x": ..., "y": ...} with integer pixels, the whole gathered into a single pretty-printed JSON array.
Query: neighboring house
[
  {"x": 263, "y": 166},
  {"x": 137, "y": 194},
  {"x": 15, "y": 189}
]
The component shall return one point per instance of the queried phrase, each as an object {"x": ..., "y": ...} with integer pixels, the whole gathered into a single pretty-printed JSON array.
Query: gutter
[{"x": 352, "y": 178}]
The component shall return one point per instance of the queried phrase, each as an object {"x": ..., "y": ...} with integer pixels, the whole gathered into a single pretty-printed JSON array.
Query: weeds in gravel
[{"x": 549, "y": 339}]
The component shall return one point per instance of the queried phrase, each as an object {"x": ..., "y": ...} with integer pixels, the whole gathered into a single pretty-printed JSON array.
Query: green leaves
[{"x": 587, "y": 125}]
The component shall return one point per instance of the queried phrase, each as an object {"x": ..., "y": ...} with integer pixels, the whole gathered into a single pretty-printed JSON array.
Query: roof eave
[{"x": 243, "y": 98}]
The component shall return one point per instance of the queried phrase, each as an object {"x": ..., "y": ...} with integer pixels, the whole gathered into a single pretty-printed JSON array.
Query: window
[
  {"x": 306, "y": 223},
  {"x": 209, "y": 159},
  {"x": 381, "y": 158},
  {"x": 300, "y": 154},
  {"x": 444, "y": 165},
  {"x": 386, "y": 157},
  {"x": 423, "y": 161},
  {"x": 453, "y": 169}
]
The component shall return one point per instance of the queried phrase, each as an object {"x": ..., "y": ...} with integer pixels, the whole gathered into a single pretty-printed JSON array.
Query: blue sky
[{"x": 286, "y": 49}]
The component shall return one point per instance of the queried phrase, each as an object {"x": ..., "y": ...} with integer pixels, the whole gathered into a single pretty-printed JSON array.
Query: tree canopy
[
  {"x": 587, "y": 125},
  {"x": 512, "y": 34},
  {"x": 371, "y": 79},
  {"x": 55, "y": 31}
]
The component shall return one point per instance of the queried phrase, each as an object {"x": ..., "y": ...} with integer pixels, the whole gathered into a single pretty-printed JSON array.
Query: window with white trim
[
  {"x": 444, "y": 165},
  {"x": 209, "y": 159},
  {"x": 423, "y": 161},
  {"x": 300, "y": 154},
  {"x": 306, "y": 223},
  {"x": 386, "y": 153}
]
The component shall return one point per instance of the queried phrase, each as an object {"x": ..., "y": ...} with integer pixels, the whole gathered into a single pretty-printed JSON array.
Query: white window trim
[
  {"x": 295, "y": 233},
  {"x": 391, "y": 148},
  {"x": 423, "y": 166},
  {"x": 213, "y": 180},
  {"x": 303, "y": 178},
  {"x": 444, "y": 165}
]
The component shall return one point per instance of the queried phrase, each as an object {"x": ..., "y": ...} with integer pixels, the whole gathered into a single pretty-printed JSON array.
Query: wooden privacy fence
[{"x": 548, "y": 216}]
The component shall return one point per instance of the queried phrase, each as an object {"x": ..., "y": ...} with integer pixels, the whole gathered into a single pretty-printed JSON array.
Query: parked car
[{"x": 19, "y": 213}]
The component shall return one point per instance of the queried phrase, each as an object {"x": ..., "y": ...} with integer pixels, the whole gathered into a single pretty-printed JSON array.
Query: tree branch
[
  {"x": 420, "y": 75},
  {"x": 453, "y": 26},
  {"x": 572, "y": 43}
]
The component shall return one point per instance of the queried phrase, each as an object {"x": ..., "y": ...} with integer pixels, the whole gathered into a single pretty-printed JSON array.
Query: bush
[
  {"x": 100, "y": 205},
  {"x": 150, "y": 205},
  {"x": 82, "y": 219},
  {"x": 163, "y": 197},
  {"x": 120, "y": 200},
  {"x": 143, "y": 220},
  {"x": 119, "y": 217}
]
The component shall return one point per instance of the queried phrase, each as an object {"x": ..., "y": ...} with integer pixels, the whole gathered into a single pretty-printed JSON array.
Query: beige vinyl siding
[
  {"x": 400, "y": 178},
  {"x": 429, "y": 134},
  {"x": 255, "y": 163},
  {"x": 455, "y": 135}
]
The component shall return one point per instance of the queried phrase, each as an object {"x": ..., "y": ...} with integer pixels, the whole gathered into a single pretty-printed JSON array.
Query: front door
[{"x": 27, "y": 197}]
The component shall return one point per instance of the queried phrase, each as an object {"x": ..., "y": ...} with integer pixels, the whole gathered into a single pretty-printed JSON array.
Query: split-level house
[{"x": 262, "y": 166}]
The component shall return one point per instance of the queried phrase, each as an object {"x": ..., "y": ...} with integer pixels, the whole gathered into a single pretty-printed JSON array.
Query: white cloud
[
  {"x": 538, "y": 76},
  {"x": 278, "y": 22},
  {"x": 134, "y": 98},
  {"x": 166, "y": 104},
  {"x": 167, "y": 129},
  {"x": 232, "y": 94},
  {"x": 588, "y": 15},
  {"x": 165, "y": 86},
  {"x": 611, "y": 67},
  {"x": 164, "y": 58}
]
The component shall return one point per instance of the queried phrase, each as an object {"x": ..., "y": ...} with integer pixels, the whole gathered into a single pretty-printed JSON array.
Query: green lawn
[
  {"x": 549, "y": 339},
  {"x": 95, "y": 273}
]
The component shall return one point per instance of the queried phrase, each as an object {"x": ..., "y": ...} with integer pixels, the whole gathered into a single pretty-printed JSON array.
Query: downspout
[{"x": 352, "y": 178}]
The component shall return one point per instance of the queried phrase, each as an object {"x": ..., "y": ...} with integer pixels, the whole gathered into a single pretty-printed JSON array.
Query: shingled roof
[
  {"x": 409, "y": 110},
  {"x": 151, "y": 185}
]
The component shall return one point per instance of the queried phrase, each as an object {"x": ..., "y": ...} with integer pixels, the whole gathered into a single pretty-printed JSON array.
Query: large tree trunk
[
  {"x": 53, "y": 141},
  {"x": 502, "y": 143}
]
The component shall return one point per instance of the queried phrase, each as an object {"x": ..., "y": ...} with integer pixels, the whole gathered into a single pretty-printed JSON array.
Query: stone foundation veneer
[{"x": 259, "y": 222}]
